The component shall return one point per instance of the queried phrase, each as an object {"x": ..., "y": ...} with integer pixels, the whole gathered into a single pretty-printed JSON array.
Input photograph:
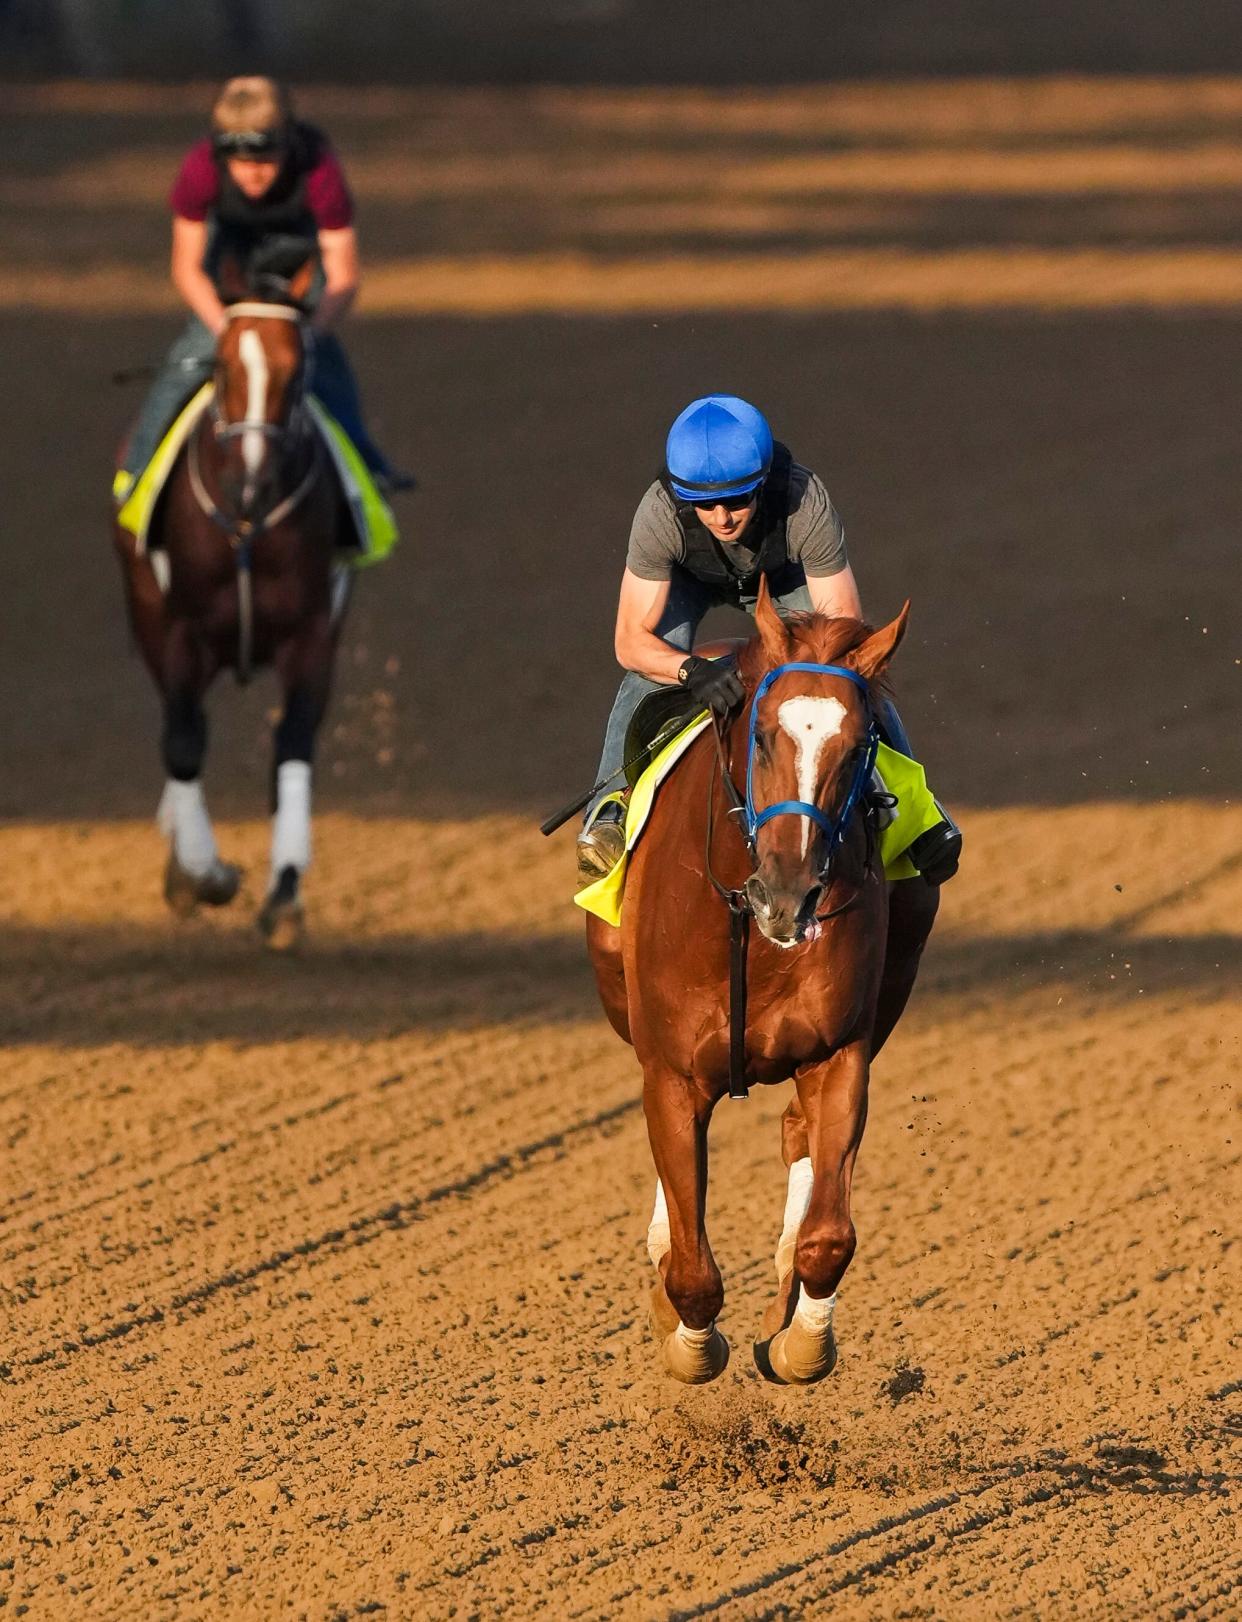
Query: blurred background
[
  {"x": 982, "y": 267},
  {"x": 609, "y": 41}
]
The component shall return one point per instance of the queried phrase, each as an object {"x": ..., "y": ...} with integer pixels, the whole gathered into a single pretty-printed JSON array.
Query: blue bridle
[{"x": 832, "y": 828}]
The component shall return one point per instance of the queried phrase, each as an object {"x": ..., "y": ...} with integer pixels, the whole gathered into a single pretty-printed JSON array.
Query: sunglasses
[
  {"x": 248, "y": 144},
  {"x": 733, "y": 504}
]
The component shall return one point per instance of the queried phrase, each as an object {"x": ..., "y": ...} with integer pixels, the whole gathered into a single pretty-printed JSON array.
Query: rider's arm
[
  {"x": 189, "y": 242},
  {"x": 339, "y": 252},
  {"x": 835, "y": 595},
  {"x": 638, "y": 613}
]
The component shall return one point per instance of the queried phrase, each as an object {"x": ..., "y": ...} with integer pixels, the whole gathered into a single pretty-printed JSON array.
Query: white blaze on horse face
[
  {"x": 810, "y": 722},
  {"x": 254, "y": 359}
]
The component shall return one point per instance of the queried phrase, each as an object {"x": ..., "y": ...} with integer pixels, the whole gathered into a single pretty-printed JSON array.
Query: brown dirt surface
[{"x": 322, "y": 1279}]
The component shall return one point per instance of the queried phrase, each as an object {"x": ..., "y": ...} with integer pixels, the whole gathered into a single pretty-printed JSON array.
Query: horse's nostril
[{"x": 757, "y": 895}]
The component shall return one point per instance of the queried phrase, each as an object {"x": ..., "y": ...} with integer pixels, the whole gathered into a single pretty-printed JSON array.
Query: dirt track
[{"x": 323, "y": 1281}]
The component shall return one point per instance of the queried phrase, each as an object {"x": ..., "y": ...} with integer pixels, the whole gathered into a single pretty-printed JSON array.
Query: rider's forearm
[
  {"x": 196, "y": 288},
  {"x": 333, "y": 306},
  {"x": 649, "y": 655}
]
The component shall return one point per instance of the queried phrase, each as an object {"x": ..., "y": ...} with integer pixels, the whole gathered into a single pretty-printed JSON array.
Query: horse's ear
[
  {"x": 772, "y": 630},
  {"x": 872, "y": 656},
  {"x": 300, "y": 281},
  {"x": 231, "y": 279}
]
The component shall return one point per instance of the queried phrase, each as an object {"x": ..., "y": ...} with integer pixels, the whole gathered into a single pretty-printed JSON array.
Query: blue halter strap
[{"x": 833, "y": 828}]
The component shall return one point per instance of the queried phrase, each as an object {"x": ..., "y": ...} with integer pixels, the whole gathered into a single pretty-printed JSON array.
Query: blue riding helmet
[{"x": 718, "y": 447}]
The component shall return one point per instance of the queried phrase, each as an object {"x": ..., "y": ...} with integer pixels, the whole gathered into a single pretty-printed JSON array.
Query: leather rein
[
  {"x": 243, "y": 532},
  {"x": 749, "y": 822}
]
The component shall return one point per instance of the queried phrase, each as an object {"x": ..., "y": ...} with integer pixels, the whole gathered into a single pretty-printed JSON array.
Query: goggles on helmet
[
  {"x": 734, "y": 504},
  {"x": 248, "y": 143}
]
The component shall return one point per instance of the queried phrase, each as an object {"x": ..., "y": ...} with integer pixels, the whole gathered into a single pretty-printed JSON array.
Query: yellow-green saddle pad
[
  {"x": 373, "y": 519},
  {"x": 916, "y": 811}
]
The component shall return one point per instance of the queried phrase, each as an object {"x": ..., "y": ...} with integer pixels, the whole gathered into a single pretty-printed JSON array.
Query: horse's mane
[{"x": 814, "y": 639}]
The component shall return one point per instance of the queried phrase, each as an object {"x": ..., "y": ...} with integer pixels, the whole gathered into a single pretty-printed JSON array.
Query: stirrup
[{"x": 601, "y": 844}]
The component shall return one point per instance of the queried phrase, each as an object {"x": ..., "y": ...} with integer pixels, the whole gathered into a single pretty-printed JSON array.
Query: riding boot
[
  {"x": 937, "y": 852},
  {"x": 601, "y": 844}
]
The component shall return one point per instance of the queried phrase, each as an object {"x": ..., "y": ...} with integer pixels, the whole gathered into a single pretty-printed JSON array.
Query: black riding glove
[{"x": 713, "y": 683}]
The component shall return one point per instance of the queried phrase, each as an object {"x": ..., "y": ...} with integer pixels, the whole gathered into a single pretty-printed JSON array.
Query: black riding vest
[
  {"x": 242, "y": 223},
  {"x": 709, "y": 561}
]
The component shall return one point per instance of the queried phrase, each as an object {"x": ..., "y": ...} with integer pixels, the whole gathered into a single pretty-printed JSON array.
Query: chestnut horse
[
  {"x": 246, "y": 538},
  {"x": 830, "y": 967}
]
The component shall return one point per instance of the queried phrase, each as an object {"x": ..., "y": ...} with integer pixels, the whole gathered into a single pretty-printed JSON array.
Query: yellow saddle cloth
[
  {"x": 916, "y": 811},
  {"x": 374, "y": 523}
]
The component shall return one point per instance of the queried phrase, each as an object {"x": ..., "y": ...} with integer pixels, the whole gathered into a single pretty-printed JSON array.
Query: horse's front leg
[
  {"x": 833, "y": 1100},
  {"x": 305, "y": 668},
  {"x": 689, "y": 1293},
  {"x": 195, "y": 874}
]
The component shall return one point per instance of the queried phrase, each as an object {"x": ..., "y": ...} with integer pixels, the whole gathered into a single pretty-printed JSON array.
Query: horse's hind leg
[
  {"x": 195, "y": 875},
  {"x": 796, "y": 1153},
  {"x": 833, "y": 1097},
  {"x": 305, "y": 666},
  {"x": 912, "y": 907},
  {"x": 689, "y": 1293}
]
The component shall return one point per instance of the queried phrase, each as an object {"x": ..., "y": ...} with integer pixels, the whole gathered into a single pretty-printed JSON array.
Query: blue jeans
[
  {"x": 188, "y": 365},
  {"x": 688, "y": 602}
]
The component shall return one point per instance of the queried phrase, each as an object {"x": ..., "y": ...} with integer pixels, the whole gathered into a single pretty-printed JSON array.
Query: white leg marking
[
  {"x": 291, "y": 826},
  {"x": 182, "y": 816},
  {"x": 798, "y": 1198},
  {"x": 694, "y": 1337},
  {"x": 810, "y": 722},
  {"x": 658, "y": 1242},
  {"x": 250, "y": 348},
  {"x": 815, "y": 1316}
]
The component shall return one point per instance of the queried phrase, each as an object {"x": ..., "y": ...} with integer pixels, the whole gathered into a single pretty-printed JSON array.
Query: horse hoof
[
  {"x": 695, "y": 1356},
  {"x": 282, "y": 920},
  {"x": 796, "y": 1357},
  {"x": 186, "y": 892}
]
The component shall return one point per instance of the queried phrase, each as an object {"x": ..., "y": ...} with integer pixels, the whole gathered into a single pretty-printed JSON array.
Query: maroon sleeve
[
  {"x": 195, "y": 188},
  {"x": 328, "y": 194}
]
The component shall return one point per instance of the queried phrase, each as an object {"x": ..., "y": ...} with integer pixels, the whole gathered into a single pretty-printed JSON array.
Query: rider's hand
[{"x": 713, "y": 683}]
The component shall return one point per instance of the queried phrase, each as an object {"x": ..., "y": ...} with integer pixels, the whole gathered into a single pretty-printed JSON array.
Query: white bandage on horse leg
[
  {"x": 658, "y": 1242},
  {"x": 291, "y": 827},
  {"x": 815, "y": 1316},
  {"x": 797, "y": 1199},
  {"x": 182, "y": 816}
]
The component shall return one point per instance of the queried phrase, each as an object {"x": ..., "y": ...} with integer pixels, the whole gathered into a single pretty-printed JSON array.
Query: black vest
[
  {"x": 243, "y": 223},
  {"x": 710, "y": 561}
]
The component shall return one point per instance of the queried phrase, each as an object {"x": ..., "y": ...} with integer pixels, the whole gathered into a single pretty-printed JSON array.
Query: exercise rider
[
  {"x": 261, "y": 177},
  {"x": 730, "y": 507}
]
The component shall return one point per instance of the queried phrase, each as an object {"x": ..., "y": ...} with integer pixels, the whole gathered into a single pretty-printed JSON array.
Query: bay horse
[
  {"x": 247, "y": 537},
  {"x": 829, "y": 970}
]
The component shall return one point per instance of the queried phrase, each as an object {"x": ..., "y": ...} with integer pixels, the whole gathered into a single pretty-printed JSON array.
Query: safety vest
[
  {"x": 712, "y": 562},
  {"x": 242, "y": 223}
]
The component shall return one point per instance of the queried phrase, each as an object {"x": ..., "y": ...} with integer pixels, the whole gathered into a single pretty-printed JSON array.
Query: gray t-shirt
[{"x": 815, "y": 534}]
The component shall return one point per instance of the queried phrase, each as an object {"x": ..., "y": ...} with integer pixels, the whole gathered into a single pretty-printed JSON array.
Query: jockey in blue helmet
[{"x": 731, "y": 507}]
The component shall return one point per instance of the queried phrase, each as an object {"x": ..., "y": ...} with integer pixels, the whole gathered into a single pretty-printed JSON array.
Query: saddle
[
  {"x": 374, "y": 525},
  {"x": 663, "y": 714}
]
